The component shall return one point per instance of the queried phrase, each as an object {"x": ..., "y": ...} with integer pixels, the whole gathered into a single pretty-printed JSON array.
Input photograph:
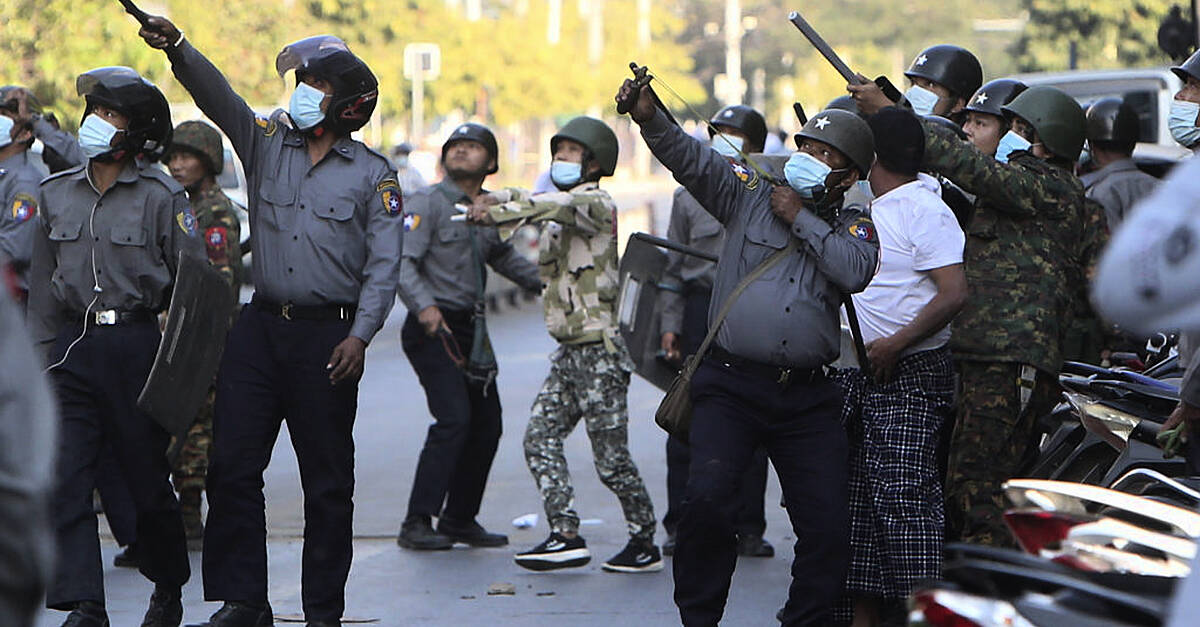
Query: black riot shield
[
  {"x": 191, "y": 346},
  {"x": 639, "y": 308}
]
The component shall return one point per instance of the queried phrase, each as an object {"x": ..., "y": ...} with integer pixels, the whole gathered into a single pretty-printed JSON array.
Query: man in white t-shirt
[{"x": 894, "y": 410}]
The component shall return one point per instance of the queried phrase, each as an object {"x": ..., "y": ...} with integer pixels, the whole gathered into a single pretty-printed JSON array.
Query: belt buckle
[
  {"x": 785, "y": 375},
  {"x": 107, "y": 317},
  {"x": 285, "y": 311}
]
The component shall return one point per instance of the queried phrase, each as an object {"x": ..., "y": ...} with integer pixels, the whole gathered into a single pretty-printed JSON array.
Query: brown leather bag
[{"x": 674, "y": 413}]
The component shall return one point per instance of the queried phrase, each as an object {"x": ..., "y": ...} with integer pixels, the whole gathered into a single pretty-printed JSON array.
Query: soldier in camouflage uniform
[
  {"x": 195, "y": 158},
  {"x": 1030, "y": 232},
  {"x": 589, "y": 373}
]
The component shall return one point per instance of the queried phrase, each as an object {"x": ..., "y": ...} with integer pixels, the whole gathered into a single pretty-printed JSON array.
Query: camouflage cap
[{"x": 204, "y": 140}]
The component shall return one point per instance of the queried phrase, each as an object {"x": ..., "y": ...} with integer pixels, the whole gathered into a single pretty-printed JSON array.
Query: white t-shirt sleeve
[{"x": 936, "y": 237}]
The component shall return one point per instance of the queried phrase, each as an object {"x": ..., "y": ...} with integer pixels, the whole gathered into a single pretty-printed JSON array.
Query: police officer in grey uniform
[
  {"x": 109, "y": 236},
  {"x": 19, "y": 178},
  {"x": 763, "y": 382},
  {"x": 442, "y": 275},
  {"x": 1112, "y": 133},
  {"x": 325, "y": 211},
  {"x": 684, "y": 323}
]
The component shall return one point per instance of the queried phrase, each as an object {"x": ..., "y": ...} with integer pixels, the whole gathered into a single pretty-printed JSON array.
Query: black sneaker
[
  {"x": 754, "y": 546},
  {"x": 127, "y": 558},
  {"x": 636, "y": 557},
  {"x": 556, "y": 552},
  {"x": 417, "y": 533}
]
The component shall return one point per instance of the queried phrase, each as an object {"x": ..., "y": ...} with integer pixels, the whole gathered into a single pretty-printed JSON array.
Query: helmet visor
[{"x": 297, "y": 54}]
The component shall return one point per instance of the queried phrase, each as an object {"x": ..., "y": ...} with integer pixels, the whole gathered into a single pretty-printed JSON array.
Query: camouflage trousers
[
  {"x": 191, "y": 467},
  {"x": 586, "y": 382},
  {"x": 995, "y": 430}
]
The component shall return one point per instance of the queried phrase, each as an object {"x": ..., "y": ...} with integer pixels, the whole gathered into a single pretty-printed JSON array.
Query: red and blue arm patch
[{"x": 24, "y": 207}]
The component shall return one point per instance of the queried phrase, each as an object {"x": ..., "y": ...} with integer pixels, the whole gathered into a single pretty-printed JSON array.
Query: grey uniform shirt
[
  {"x": 133, "y": 233},
  {"x": 1118, "y": 186},
  {"x": 19, "y": 178},
  {"x": 789, "y": 316},
  {"x": 437, "y": 268},
  {"x": 323, "y": 234},
  {"x": 693, "y": 226}
]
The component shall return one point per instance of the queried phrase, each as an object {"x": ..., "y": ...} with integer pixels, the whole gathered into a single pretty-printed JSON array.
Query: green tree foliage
[{"x": 1106, "y": 34}]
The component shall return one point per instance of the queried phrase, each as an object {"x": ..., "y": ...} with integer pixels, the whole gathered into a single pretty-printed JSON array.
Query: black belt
[
  {"x": 114, "y": 317},
  {"x": 777, "y": 374},
  {"x": 318, "y": 313}
]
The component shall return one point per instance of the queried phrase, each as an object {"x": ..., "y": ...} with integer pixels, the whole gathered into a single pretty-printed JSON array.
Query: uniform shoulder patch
[
  {"x": 411, "y": 222},
  {"x": 24, "y": 207},
  {"x": 187, "y": 221},
  {"x": 744, "y": 173},
  {"x": 393, "y": 202},
  {"x": 387, "y": 183},
  {"x": 862, "y": 229},
  {"x": 268, "y": 126}
]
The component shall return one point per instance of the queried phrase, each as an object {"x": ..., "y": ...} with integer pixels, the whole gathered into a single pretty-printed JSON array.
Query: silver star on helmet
[
  {"x": 981, "y": 98},
  {"x": 921, "y": 60},
  {"x": 821, "y": 123}
]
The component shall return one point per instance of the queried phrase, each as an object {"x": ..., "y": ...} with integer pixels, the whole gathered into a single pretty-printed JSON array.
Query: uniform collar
[
  {"x": 345, "y": 147},
  {"x": 452, "y": 191},
  {"x": 129, "y": 174},
  {"x": 18, "y": 160}
]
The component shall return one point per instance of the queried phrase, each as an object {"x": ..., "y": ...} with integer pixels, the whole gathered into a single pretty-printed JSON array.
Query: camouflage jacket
[
  {"x": 217, "y": 221},
  {"x": 1021, "y": 245},
  {"x": 577, "y": 258},
  {"x": 1093, "y": 230}
]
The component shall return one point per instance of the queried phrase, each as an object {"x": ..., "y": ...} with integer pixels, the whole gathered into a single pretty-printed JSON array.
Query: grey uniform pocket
[
  {"x": 763, "y": 239},
  {"x": 65, "y": 232}
]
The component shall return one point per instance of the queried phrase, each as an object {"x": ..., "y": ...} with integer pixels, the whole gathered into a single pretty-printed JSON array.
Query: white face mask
[
  {"x": 727, "y": 145},
  {"x": 922, "y": 100},
  {"x": 95, "y": 136},
  {"x": 6, "y": 127},
  {"x": 1182, "y": 122}
]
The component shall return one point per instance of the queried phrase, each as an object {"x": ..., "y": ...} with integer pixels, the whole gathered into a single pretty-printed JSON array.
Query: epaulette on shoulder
[
  {"x": 378, "y": 155},
  {"x": 155, "y": 174},
  {"x": 63, "y": 173}
]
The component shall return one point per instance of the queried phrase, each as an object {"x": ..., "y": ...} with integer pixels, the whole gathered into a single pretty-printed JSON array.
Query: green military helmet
[
  {"x": 8, "y": 99},
  {"x": 845, "y": 131},
  {"x": 596, "y": 136},
  {"x": 1057, "y": 118},
  {"x": 203, "y": 140}
]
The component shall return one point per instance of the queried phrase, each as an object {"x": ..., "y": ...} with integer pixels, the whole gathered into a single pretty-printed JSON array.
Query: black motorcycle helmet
[
  {"x": 124, "y": 90},
  {"x": 994, "y": 95},
  {"x": 475, "y": 132},
  {"x": 953, "y": 67},
  {"x": 744, "y": 119},
  {"x": 1112, "y": 125},
  {"x": 355, "y": 88}
]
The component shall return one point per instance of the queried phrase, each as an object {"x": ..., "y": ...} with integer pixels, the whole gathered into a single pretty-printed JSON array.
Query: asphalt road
[{"x": 398, "y": 587}]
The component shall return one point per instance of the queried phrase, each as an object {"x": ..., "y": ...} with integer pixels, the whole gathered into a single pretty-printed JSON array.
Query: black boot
[
  {"x": 238, "y": 614},
  {"x": 471, "y": 533},
  {"x": 754, "y": 546},
  {"x": 127, "y": 558},
  {"x": 166, "y": 608},
  {"x": 87, "y": 614},
  {"x": 417, "y": 533}
]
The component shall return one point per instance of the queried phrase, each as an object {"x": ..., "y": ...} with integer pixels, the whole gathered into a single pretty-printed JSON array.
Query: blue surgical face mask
[
  {"x": 566, "y": 174},
  {"x": 6, "y": 127},
  {"x": 806, "y": 174},
  {"x": 727, "y": 145},
  {"x": 95, "y": 136},
  {"x": 402, "y": 161},
  {"x": 864, "y": 187},
  {"x": 1010, "y": 143},
  {"x": 922, "y": 100},
  {"x": 305, "y": 106},
  {"x": 1182, "y": 122}
]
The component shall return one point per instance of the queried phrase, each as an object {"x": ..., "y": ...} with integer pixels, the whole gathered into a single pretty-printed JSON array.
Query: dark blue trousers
[
  {"x": 751, "y": 517},
  {"x": 454, "y": 464},
  {"x": 97, "y": 389},
  {"x": 274, "y": 369},
  {"x": 733, "y": 414}
]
